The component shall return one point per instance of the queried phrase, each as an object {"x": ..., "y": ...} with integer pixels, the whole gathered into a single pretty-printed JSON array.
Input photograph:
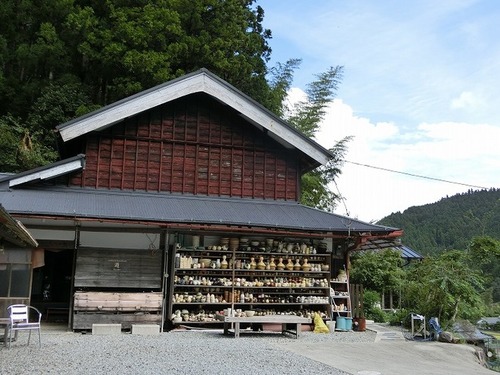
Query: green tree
[
  {"x": 484, "y": 253},
  {"x": 315, "y": 191},
  {"x": 125, "y": 47},
  {"x": 306, "y": 115},
  {"x": 21, "y": 150},
  {"x": 378, "y": 270},
  {"x": 32, "y": 52},
  {"x": 61, "y": 58},
  {"x": 445, "y": 286}
]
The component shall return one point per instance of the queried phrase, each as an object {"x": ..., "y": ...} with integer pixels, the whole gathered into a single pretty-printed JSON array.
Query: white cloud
[
  {"x": 466, "y": 100},
  {"x": 419, "y": 93},
  {"x": 404, "y": 61},
  {"x": 457, "y": 152}
]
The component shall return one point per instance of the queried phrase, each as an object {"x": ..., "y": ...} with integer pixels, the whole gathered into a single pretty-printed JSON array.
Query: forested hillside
[
  {"x": 60, "y": 59},
  {"x": 450, "y": 223}
]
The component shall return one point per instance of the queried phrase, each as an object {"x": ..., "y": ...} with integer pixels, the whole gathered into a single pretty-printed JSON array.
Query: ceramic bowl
[
  {"x": 205, "y": 262},
  {"x": 249, "y": 313}
]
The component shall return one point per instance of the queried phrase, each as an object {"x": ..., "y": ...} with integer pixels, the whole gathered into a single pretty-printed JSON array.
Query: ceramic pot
[
  {"x": 280, "y": 265},
  {"x": 261, "y": 265},
  {"x": 272, "y": 265},
  {"x": 306, "y": 266},
  {"x": 297, "y": 265}
]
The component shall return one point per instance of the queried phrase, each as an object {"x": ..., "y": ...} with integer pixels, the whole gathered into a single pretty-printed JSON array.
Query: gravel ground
[{"x": 175, "y": 352}]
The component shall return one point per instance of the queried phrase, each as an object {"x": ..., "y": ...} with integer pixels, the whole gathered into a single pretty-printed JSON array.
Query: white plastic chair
[{"x": 19, "y": 321}]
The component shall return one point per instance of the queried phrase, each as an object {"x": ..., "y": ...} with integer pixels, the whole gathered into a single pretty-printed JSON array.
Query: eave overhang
[
  {"x": 13, "y": 231},
  {"x": 201, "y": 81}
]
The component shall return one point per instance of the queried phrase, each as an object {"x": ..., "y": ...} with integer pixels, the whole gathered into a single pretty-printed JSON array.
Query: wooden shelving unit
[{"x": 204, "y": 285}]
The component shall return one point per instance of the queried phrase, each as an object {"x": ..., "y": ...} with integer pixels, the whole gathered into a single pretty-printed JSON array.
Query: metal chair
[{"x": 19, "y": 321}]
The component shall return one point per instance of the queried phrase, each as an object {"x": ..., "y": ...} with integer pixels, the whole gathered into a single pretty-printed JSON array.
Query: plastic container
[
  {"x": 348, "y": 324},
  {"x": 341, "y": 323},
  {"x": 331, "y": 325}
]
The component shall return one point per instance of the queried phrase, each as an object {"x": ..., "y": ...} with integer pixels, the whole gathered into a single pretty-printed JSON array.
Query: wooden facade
[
  {"x": 195, "y": 136},
  {"x": 116, "y": 307},
  {"x": 193, "y": 145},
  {"x": 118, "y": 268}
]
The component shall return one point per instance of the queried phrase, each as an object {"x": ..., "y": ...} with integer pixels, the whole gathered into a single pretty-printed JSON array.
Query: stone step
[
  {"x": 106, "y": 329},
  {"x": 145, "y": 329}
]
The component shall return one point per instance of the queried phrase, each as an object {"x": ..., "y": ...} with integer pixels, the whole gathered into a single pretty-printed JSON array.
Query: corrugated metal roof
[
  {"x": 46, "y": 172},
  {"x": 380, "y": 244},
  {"x": 409, "y": 253},
  {"x": 172, "y": 208}
]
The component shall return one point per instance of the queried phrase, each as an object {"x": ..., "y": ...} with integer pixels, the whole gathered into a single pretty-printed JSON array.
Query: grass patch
[{"x": 495, "y": 334}]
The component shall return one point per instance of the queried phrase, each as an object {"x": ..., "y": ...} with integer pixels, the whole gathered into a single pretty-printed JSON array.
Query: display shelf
[
  {"x": 340, "y": 295},
  {"x": 210, "y": 279}
]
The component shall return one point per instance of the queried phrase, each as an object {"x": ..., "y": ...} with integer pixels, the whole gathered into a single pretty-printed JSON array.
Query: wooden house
[{"x": 192, "y": 160}]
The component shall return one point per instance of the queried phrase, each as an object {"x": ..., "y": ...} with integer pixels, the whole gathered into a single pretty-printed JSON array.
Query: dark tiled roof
[{"x": 170, "y": 208}]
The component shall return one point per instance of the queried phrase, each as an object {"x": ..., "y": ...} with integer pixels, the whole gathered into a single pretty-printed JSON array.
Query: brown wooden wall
[
  {"x": 118, "y": 268},
  {"x": 193, "y": 145}
]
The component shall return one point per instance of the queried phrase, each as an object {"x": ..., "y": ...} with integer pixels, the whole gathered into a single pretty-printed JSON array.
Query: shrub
[
  {"x": 377, "y": 315},
  {"x": 396, "y": 317}
]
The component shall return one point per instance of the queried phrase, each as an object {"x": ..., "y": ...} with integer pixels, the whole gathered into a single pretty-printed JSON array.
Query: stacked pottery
[
  {"x": 306, "y": 266},
  {"x": 280, "y": 266},
  {"x": 234, "y": 243},
  {"x": 243, "y": 243},
  {"x": 269, "y": 243},
  {"x": 196, "y": 241},
  {"x": 261, "y": 265},
  {"x": 224, "y": 263},
  {"x": 253, "y": 265},
  {"x": 272, "y": 265},
  {"x": 297, "y": 265}
]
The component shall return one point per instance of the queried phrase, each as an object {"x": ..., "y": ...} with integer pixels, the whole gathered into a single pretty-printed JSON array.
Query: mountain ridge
[{"x": 449, "y": 223}]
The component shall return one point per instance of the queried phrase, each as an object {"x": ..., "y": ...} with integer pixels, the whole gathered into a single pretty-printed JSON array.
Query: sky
[{"x": 420, "y": 93}]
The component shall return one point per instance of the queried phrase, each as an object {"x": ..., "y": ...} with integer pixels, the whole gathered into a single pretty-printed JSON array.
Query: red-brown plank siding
[{"x": 193, "y": 145}]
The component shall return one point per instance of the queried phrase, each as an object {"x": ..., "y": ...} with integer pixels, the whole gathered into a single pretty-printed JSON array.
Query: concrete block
[
  {"x": 106, "y": 329},
  {"x": 145, "y": 329}
]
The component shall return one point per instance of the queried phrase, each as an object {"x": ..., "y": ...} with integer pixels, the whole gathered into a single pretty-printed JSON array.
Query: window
[{"x": 15, "y": 273}]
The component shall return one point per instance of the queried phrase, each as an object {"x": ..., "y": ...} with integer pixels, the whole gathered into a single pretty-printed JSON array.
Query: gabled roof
[
  {"x": 46, "y": 172},
  {"x": 201, "y": 81},
  {"x": 166, "y": 209}
]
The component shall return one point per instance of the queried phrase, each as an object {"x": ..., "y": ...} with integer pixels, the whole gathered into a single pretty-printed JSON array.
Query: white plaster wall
[
  {"x": 119, "y": 240},
  {"x": 53, "y": 234}
]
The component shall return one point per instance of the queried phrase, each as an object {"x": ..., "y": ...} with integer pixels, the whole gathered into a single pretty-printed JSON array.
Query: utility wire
[
  {"x": 341, "y": 197},
  {"x": 417, "y": 175}
]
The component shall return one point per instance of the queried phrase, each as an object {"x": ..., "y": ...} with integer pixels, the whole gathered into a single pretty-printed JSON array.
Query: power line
[
  {"x": 417, "y": 175},
  {"x": 341, "y": 198}
]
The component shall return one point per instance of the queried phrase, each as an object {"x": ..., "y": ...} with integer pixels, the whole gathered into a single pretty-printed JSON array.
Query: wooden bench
[
  {"x": 284, "y": 320},
  {"x": 4, "y": 322}
]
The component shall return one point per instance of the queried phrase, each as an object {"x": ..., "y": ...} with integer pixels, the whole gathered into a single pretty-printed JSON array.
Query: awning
[{"x": 13, "y": 231}]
